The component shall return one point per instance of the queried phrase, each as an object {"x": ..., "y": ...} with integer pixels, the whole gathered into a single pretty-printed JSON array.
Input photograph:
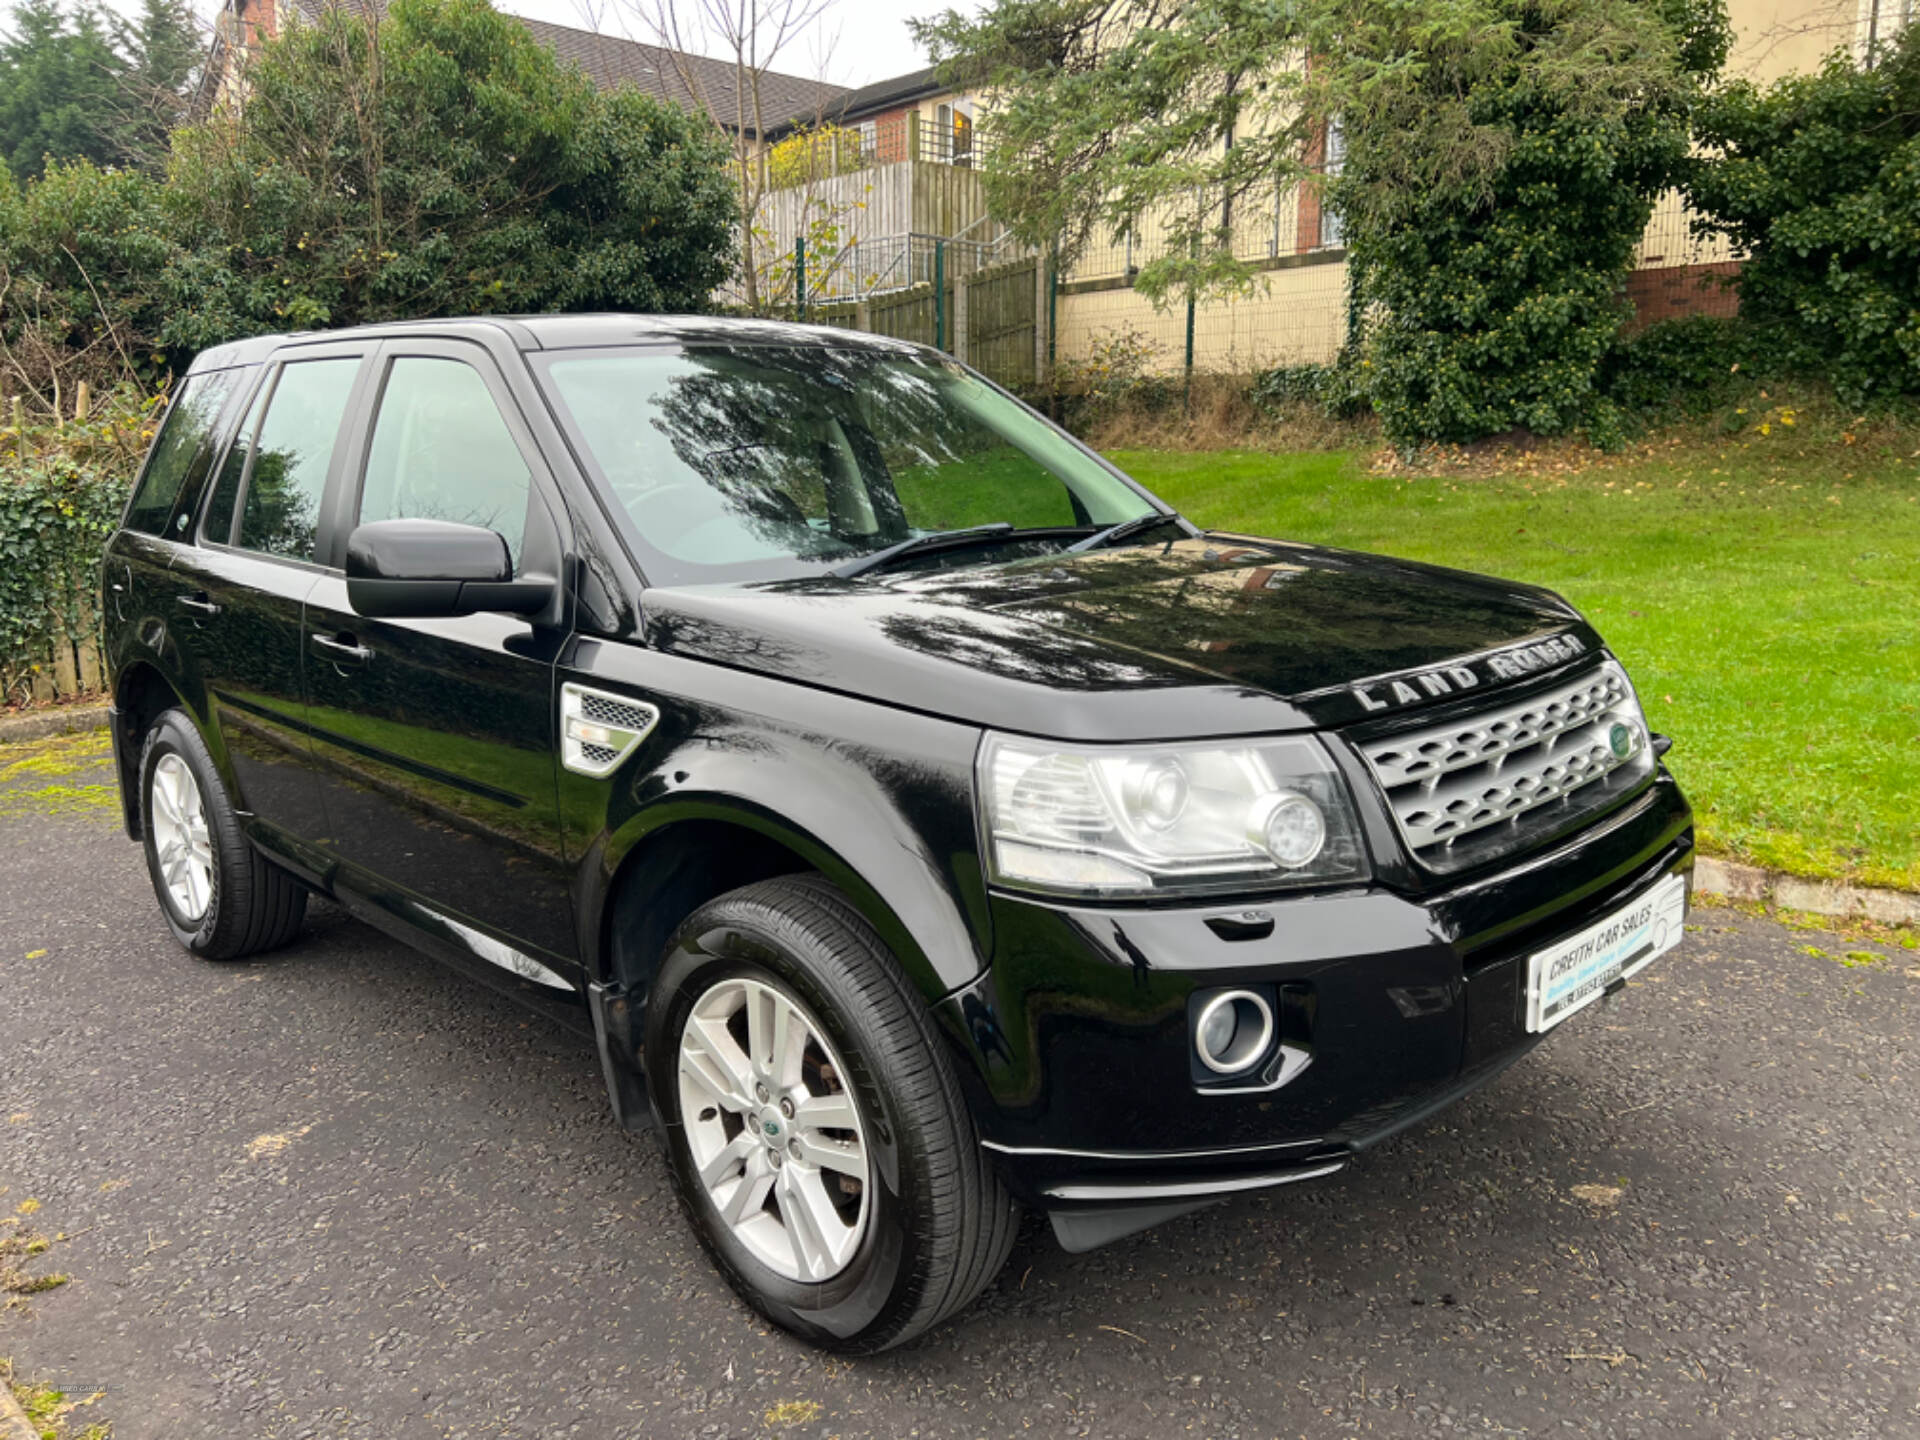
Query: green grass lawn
[{"x": 1764, "y": 592}]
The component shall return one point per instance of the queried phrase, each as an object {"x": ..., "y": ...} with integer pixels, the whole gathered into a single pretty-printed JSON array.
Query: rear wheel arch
[{"x": 141, "y": 695}]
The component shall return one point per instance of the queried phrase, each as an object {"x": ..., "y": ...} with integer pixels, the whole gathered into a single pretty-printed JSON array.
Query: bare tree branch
[{"x": 749, "y": 37}]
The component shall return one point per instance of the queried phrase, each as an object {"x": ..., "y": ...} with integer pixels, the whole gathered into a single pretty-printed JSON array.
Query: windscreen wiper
[
  {"x": 913, "y": 544},
  {"x": 1114, "y": 534}
]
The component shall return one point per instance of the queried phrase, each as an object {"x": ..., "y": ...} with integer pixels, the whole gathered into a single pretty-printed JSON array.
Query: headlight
[{"x": 1165, "y": 819}]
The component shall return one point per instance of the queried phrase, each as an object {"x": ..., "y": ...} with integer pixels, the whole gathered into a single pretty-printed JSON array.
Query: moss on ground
[{"x": 60, "y": 775}]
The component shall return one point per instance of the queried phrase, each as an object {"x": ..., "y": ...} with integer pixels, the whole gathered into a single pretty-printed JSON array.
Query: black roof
[
  {"x": 691, "y": 81},
  {"x": 851, "y": 106},
  {"x": 566, "y": 332},
  {"x": 884, "y": 94}
]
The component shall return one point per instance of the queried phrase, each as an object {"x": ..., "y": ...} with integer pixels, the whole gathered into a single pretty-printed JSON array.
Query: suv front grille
[{"x": 1477, "y": 788}]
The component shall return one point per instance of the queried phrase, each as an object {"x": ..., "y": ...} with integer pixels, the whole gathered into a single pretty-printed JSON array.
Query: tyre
[
  {"x": 223, "y": 899},
  {"x": 814, "y": 1128}
]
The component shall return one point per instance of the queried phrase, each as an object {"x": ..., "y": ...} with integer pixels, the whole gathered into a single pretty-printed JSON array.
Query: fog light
[{"x": 1233, "y": 1031}]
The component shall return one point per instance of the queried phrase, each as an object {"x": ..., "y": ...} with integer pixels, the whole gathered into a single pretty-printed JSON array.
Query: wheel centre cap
[{"x": 774, "y": 1126}]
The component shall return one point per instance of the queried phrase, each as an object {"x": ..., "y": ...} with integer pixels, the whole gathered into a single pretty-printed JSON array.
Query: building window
[
  {"x": 1336, "y": 157},
  {"x": 953, "y": 133},
  {"x": 1879, "y": 25}
]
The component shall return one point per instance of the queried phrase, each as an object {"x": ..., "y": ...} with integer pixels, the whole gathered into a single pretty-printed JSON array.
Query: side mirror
[{"x": 421, "y": 569}]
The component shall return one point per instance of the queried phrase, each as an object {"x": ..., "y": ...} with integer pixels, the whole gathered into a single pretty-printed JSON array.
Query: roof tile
[{"x": 693, "y": 81}]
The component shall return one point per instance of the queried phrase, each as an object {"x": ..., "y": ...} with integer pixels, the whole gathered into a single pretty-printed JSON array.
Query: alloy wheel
[
  {"x": 181, "y": 842},
  {"x": 773, "y": 1129}
]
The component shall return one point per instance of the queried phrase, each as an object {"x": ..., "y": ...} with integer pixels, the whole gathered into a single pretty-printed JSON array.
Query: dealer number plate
[{"x": 1578, "y": 970}]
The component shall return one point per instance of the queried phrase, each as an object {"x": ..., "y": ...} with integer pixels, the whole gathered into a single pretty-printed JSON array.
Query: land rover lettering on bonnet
[
  {"x": 922, "y": 821},
  {"x": 1507, "y": 664}
]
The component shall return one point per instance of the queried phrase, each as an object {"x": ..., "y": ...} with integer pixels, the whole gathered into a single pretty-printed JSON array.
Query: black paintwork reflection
[
  {"x": 437, "y": 758},
  {"x": 1098, "y": 1047},
  {"x": 973, "y": 665},
  {"x": 1287, "y": 619},
  {"x": 1199, "y": 636},
  {"x": 246, "y": 660},
  {"x": 879, "y": 800}
]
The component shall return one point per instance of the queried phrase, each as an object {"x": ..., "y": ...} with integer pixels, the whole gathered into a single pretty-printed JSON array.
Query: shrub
[
  {"x": 1818, "y": 180},
  {"x": 1493, "y": 195},
  {"x": 1339, "y": 391},
  {"x": 84, "y": 271},
  {"x": 1496, "y": 317},
  {"x": 442, "y": 161},
  {"x": 1678, "y": 367},
  {"x": 816, "y": 154},
  {"x": 1119, "y": 371}
]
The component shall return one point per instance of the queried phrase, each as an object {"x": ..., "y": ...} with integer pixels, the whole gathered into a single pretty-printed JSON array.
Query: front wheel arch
[{"x": 667, "y": 869}]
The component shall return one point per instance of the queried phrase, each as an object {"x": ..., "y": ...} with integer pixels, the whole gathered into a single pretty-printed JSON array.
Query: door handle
[
  {"x": 198, "y": 602},
  {"x": 343, "y": 648}
]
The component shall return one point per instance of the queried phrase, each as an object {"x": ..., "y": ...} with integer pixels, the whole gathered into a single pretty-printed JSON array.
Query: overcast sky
[
  {"x": 861, "y": 41},
  {"x": 855, "y": 43}
]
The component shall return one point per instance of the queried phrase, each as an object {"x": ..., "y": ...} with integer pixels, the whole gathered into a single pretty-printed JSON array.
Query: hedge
[{"x": 61, "y": 493}]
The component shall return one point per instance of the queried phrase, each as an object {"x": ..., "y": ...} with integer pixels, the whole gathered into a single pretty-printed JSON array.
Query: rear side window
[
  {"x": 288, "y": 476},
  {"x": 442, "y": 451},
  {"x": 226, "y": 487},
  {"x": 180, "y": 454}
]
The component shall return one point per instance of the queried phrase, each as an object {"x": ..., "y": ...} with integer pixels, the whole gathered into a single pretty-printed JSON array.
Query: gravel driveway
[{"x": 342, "y": 1192}]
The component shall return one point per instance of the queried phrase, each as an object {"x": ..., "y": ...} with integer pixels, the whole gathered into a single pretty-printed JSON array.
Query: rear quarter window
[{"x": 180, "y": 455}]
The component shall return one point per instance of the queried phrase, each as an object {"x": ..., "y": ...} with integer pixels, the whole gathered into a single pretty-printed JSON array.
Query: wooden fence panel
[
  {"x": 1001, "y": 316},
  {"x": 905, "y": 314},
  {"x": 64, "y": 669}
]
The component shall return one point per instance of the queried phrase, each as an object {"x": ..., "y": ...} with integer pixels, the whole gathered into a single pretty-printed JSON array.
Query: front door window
[{"x": 441, "y": 451}]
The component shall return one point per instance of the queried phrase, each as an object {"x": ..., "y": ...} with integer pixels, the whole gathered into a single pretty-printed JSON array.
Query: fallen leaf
[
  {"x": 793, "y": 1412},
  {"x": 263, "y": 1147}
]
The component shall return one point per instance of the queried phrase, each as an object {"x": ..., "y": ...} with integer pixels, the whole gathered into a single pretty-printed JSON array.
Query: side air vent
[{"x": 598, "y": 730}]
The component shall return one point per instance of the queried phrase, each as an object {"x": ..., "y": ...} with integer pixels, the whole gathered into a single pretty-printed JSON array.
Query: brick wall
[{"x": 1668, "y": 292}]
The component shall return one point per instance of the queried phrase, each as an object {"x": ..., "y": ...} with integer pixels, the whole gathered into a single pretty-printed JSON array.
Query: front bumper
[{"x": 1078, "y": 1036}]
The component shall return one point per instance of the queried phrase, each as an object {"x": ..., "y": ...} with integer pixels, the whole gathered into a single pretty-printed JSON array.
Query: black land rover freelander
[{"x": 924, "y": 821}]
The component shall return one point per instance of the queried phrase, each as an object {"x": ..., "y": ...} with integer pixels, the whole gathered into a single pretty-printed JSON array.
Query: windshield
[{"x": 765, "y": 462}]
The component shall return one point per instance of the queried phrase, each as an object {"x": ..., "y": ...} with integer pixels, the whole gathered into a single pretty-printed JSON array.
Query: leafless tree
[
  {"x": 748, "y": 38},
  {"x": 1803, "y": 33}
]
